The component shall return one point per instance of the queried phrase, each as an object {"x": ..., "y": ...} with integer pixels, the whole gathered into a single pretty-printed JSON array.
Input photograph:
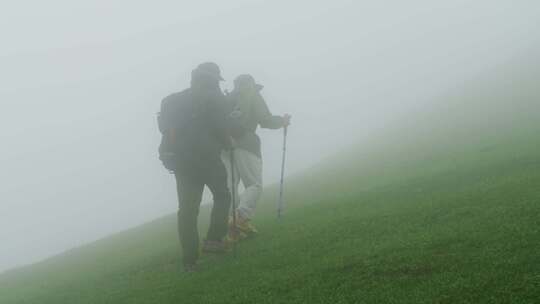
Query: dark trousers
[{"x": 190, "y": 182}]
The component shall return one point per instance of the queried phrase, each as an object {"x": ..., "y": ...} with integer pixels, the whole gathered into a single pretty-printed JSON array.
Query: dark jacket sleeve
[
  {"x": 219, "y": 122},
  {"x": 264, "y": 117}
]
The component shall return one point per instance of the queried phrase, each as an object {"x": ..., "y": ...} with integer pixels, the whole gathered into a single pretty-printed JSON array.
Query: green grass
[
  {"x": 445, "y": 209},
  {"x": 459, "y": 224}
]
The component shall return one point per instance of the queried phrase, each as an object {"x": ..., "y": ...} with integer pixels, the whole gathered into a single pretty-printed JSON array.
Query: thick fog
[{"x": 81, "y": 82}]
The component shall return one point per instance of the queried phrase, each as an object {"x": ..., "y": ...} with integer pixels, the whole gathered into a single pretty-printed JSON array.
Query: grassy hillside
[
  {"x": 441, "y": 211},
  {"x": 456, "y": 227}
]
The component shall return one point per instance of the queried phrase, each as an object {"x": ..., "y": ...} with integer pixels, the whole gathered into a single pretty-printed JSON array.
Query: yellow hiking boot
[
  {"x": 243, "y": 229},
  {"x": 247, "y": 227}
]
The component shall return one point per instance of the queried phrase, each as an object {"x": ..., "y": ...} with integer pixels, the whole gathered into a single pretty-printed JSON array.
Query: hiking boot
[
  {"x": 215, "y": 247},
  {"x": 242, "y": 230},
  {"x": 247, "y": 227}
]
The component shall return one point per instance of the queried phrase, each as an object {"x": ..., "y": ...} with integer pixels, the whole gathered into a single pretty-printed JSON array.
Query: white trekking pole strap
[{"x": 281, "y": 186}]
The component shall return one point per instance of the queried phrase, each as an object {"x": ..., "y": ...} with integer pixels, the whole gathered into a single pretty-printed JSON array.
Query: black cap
[{"x": 209, "y": 69}]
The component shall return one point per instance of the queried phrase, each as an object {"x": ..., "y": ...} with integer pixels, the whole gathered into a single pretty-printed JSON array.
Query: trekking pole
[
  {"x": 281, "y": 185},
  {"x": 233, "y": 197}
]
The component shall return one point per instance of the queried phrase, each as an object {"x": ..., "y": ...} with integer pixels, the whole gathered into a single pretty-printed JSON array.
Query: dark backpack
[{"x": 178, "y": 124}]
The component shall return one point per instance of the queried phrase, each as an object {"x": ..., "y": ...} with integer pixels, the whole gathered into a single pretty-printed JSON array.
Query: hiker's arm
[
  {"x": 265, "y": 117},
  {"x": 220, "y": 123}
]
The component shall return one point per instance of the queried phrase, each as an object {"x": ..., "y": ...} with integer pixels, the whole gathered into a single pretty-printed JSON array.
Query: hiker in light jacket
[{"x": 248, "y": 111}]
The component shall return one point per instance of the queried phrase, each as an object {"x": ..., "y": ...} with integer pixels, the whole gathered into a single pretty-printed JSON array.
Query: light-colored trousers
[{"x": 248, "y": 169}]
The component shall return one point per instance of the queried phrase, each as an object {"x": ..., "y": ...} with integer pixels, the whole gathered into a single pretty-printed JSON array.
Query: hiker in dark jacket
[
  {"x": 248, "y": 111},
  {"x": 193, "y": 123}
]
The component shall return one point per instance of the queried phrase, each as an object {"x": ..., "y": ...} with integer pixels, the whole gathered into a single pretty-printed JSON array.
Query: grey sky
[{"x": 81, "y": 82}]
